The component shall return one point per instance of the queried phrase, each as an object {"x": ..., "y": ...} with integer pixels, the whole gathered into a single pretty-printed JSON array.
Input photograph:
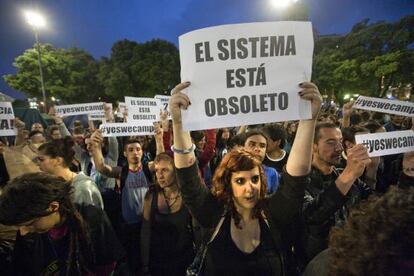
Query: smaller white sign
[
  {"x": 121, "y": 110},
  {"x": 7, "y": 119},
  {"x": 380, "y": 144},
  {"x": 125, "y": 129},
  {"x": 77, "y": 109},
  {"x": 385, "y": 106},
  {"x": 164, "y": 100},
  {"x": 144, "y": 110},
  {"x": 101, "y": 115}
]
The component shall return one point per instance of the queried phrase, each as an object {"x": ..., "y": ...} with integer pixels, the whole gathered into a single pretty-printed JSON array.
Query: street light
[
  {"x": 280, "y": 4},
  {"x": 36, "y": 21}
]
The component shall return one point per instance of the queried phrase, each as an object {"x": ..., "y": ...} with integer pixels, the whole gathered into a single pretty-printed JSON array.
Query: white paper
[
  {"x": 385, "y": 106},
  {"x": 125, "y": 129},
  {"x": 143, "y": 110},
  {"x": 380, "y": 144},
  {"x": 269, "y": 93},
  {"x": 77, "y": 109},
  {"x": 7, "y": 119}
]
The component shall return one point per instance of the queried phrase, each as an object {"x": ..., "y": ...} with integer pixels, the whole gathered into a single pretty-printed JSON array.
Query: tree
[
  {"x": 141, "y": 70},
  {"x": 70, "y": 75}
]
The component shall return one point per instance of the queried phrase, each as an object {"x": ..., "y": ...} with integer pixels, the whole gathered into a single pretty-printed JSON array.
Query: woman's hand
[
  {"x": 311, "y": 93},
  {"x": 178, "y": 101}
]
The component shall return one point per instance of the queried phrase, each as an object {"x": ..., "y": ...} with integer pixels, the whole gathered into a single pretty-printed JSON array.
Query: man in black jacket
[{"x": 332, "y": 192}]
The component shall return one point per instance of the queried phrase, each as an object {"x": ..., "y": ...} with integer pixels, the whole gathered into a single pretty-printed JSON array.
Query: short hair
[
  {"x": 131, "y": 141},
  {"x": 348, "y": 133},
  {"x": 234, "y": 161},
  {"x": 378, "y": 237},
  {"x": 355, "y": 119},
  {"x": 276, "y": 132},
  {"x": 254, "y": 132},
  {"x": 197, "y": 135},
  {"x": 320, "y": 126},
  {"x": 53, "y": 128},
  {"x": 79, "y": 130},
  {"x": 59, "y": 148},
  {"x": 372, "y": 126},
  {"x": 237, "y": 140}
]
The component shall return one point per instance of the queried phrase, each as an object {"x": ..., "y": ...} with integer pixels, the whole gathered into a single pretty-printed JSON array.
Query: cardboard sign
[
  {"x": 385, "y": 106},
  {"x": 380, "y": 144},
  {"x": 7, "y": 119},
  {"x": 126, "y": 129},
  {"x": 77, "y": 109},
  {"x": 246, "y": 73},
  {"x": 146, "y": 111},
  {"x": 19, "y": 160},
  {"x": 164, "y": 103}
]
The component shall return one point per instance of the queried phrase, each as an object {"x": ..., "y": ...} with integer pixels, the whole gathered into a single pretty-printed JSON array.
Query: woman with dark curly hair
[
  {"x": 253, "y": 233},
  {"x": 56, "y": 237},
  {"x": 378, "y": 238}
]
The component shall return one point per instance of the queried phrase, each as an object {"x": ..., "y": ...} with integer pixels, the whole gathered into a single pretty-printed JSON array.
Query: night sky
[{"x": 94, "y": 25}]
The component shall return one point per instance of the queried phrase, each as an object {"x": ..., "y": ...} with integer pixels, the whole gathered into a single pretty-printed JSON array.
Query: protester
[
  {"x": 64, "y": 239},
  {"x": 256, "y": 143},
  {"x": 332, "y": 191},
  {"x": 276, "y": 157},
  {"x": 55, "y": 157},
  {"x": 244, "y": 244},
  {"x": 166, "y": 234}
]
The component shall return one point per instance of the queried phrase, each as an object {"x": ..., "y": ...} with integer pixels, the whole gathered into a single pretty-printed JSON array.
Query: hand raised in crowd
[
  {"x": 158, "y": 130},
  {"x": 358, "y": 160},
  {"x": 97, "y": 137},
  {"x": 52, "y": 113},
  {"x": 178, "y": 101},
  {"x": 347, "y": 108},
  {"x": 311, "y": 93},
  {"x": 408, "y": 163},
  {"x": 164, "y": 119},
  {"x": 109, "y": 117},
  {"x": 19, "y": 124}
]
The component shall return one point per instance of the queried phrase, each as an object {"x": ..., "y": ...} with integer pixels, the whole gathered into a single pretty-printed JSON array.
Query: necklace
[{"x": 170, "y": 201}]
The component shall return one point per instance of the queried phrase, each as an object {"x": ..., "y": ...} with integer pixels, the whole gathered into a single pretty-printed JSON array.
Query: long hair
[
  {"x": 28, "y": 197},
  {"x": 235, "y": 161}
]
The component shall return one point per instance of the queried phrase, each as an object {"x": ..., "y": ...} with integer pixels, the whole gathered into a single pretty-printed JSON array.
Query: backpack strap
[{"x": 124, "y": 175}]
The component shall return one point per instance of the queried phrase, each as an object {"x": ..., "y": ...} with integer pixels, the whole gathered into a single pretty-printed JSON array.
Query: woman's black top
[
  {"x": 171, "y": 236},
  {"x": 225, "y": 258},
  {"x": 282, "y": 209}
]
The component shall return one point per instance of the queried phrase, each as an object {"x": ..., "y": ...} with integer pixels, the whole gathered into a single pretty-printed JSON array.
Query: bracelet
[{"x": 183, "y": 151}]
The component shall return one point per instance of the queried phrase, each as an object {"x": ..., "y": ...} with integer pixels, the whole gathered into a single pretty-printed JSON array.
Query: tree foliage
[{"x": 368, "y": 60}]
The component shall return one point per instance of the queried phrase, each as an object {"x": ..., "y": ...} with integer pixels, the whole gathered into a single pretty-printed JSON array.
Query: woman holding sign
[{"x": 252, "y": 234}]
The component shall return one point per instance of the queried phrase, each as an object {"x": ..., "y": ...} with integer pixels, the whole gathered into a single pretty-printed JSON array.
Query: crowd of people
[{"x": 286, "y": 198}]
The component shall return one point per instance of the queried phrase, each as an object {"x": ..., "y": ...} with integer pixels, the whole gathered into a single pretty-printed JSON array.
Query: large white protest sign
[
  {"x": 77, "y": 109},
  {"x": 6, "y": 119},
  {"x": 126, "y": 129},
  {"x": 385, "y": 106},
  {"x": 246, "y": 73},
  {"x": 387, "y": 143},
  {"x": 164, "y": 103},
  {"x": 144, "y": 110}
]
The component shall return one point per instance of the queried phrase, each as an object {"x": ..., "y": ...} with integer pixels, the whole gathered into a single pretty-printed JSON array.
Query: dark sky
[{"x": 94, "y": 25}]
